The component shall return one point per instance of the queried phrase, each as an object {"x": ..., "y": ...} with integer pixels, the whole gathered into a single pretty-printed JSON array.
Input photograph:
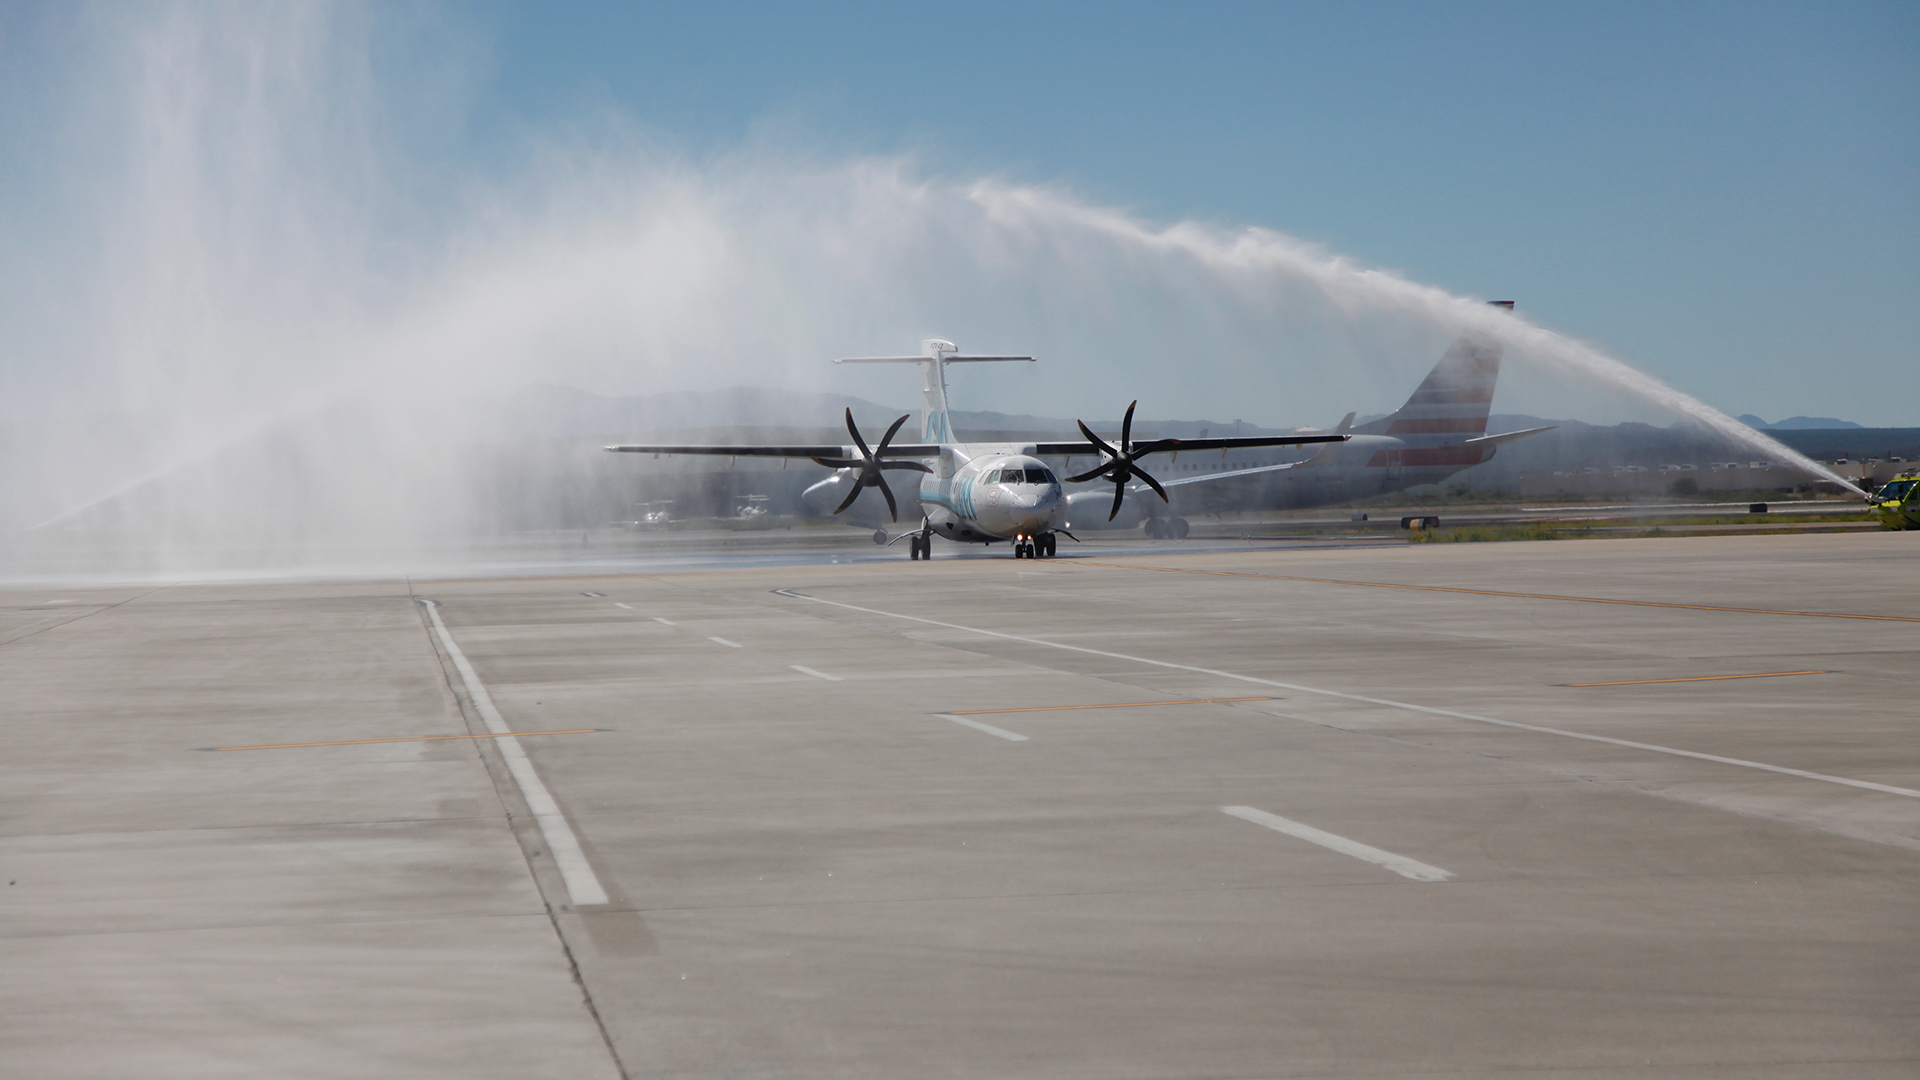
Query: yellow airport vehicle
[{"x": 1897, "y": 503}]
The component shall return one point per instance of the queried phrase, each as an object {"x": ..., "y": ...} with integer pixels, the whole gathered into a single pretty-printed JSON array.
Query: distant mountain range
[{"x": 1797, "y": 423}]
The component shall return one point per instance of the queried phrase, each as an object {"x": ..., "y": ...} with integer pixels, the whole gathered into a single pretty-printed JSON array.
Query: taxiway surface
[{"x": 1583, "y": 808}]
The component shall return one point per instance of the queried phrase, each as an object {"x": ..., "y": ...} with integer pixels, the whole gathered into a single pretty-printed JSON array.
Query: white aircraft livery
[{"x": 974, "y": 492}]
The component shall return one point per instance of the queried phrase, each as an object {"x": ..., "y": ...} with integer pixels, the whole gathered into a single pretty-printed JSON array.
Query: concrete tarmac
[{"x": 1418, "y": 810}]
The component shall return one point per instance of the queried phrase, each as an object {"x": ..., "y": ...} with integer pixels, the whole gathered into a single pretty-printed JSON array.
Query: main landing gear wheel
[
  {"x": 1177, "y": 528},
  {"x": 1047, "y": 543},
  {"x": 879, "y": 536}
]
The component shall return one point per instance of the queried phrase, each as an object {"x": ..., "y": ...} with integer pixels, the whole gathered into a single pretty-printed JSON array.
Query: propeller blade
[
  {"x": 1096, "y": 440},
  {"x": 1101, "y": 471},
  {"x": 851, "y": 495},
  {"x": 1152, "y": 483},
  {"x": 914, "y": 465},
  {"x": 1126, "y": 427},
  {"x": 839, "y": 462},
  {"x": 855, "y": 432},
  {"x": 888, "y": 437},
  {"x": 881, "y": 483}
]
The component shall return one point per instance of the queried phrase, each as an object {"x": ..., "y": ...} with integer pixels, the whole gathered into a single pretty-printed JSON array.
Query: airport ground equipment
[{"x": 1897, "y": 503}]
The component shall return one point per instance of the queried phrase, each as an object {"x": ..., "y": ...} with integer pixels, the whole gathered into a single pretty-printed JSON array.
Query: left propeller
[
  {"x": 871, "y": 467},
  {"x": 1120, "y": 465}
]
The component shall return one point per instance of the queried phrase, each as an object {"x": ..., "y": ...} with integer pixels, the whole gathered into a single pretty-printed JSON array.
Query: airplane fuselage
[
  {"x": 971, "y": 496},
  {"x": 976, "y": 492}
]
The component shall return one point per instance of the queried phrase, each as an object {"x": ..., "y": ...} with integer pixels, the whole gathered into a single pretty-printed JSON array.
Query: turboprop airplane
[{"x": 978, "y": 492}]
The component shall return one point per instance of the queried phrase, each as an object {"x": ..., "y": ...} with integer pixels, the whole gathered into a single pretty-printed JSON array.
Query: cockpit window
[{"x": 1039, "y": 476}]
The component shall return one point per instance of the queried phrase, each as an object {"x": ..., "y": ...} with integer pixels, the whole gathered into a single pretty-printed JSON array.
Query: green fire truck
[{"x": 1897, "y": 504}]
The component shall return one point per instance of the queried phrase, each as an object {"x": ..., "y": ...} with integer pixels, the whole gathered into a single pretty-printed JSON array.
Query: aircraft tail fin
[
  {"x": 934, "y": 357},
  {"x": 1454, "y": 399}
]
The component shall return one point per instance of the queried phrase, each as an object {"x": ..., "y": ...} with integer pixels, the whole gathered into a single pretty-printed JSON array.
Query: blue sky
[{"x": 1725, "y": 195}]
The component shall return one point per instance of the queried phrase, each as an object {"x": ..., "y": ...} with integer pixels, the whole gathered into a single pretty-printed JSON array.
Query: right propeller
[
  {"x": 1120, "y": 465},
  {"x": 871, "y": 467}
]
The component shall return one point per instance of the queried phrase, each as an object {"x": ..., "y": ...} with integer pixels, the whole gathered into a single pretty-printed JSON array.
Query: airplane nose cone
[{"x": 1033, "y": 511}]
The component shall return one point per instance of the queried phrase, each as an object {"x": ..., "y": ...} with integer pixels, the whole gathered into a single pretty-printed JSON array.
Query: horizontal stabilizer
[
  {"x": 1511, "y": 436},
  {"x": 948, "y": 359}
]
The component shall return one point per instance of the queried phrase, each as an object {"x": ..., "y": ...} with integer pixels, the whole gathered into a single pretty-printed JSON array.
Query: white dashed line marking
[
  {"x": 1399, "y": 864},
  {"x": 1867, "y": 785},
  {"x": 618, "y": 604},
  {"x": 978, "y": 726},
  {"x": 816, "y": 674},
  {"x": 724, "y": 641},
  {"x": 664, "y": 622}
]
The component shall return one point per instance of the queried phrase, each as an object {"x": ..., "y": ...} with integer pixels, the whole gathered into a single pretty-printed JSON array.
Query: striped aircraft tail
[
  {"x": 1452, "y": 402},
  {"x": 1438, "y": 427}
]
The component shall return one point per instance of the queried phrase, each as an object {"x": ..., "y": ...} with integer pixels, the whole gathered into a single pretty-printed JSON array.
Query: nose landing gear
[
  {"x": 921, "y": 546},
  {"x": 1034, "y": 547}
]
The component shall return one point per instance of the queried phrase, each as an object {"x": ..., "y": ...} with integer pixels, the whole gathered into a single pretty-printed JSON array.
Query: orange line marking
[
  {"x": 1116, "y": 705},
  {"x": 409, "y": 738},
  {"x": 1699, "y": 678},
  {"x": 1496, "y": 592}
]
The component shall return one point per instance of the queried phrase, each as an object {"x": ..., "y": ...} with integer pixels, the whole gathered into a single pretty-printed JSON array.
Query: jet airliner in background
[{"x": 975, "y": 492}]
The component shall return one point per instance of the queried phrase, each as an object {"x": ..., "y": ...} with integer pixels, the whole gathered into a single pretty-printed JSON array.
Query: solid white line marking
[
  {"x": 978, "y": 726},
  {"x": 724, "y": 641},
  {"x": 617, "y": 603},
  {"x": 1399, "y": 864},
  {"x": 664, "y": 622},
  {"x": 1781, "y": 769},
  {"x": 816, "y": 674},
  {"x": 575, "y": 872}
]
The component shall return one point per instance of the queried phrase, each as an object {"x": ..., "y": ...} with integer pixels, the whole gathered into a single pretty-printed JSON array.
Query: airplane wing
[
  {"x": 1232, "y": 474},
  {"x": 813, "y": 450},
  {"x": 1181, "y": 446},
  {"x": 928, "y": 450},
  {"x": 1239, "y": 474}
]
